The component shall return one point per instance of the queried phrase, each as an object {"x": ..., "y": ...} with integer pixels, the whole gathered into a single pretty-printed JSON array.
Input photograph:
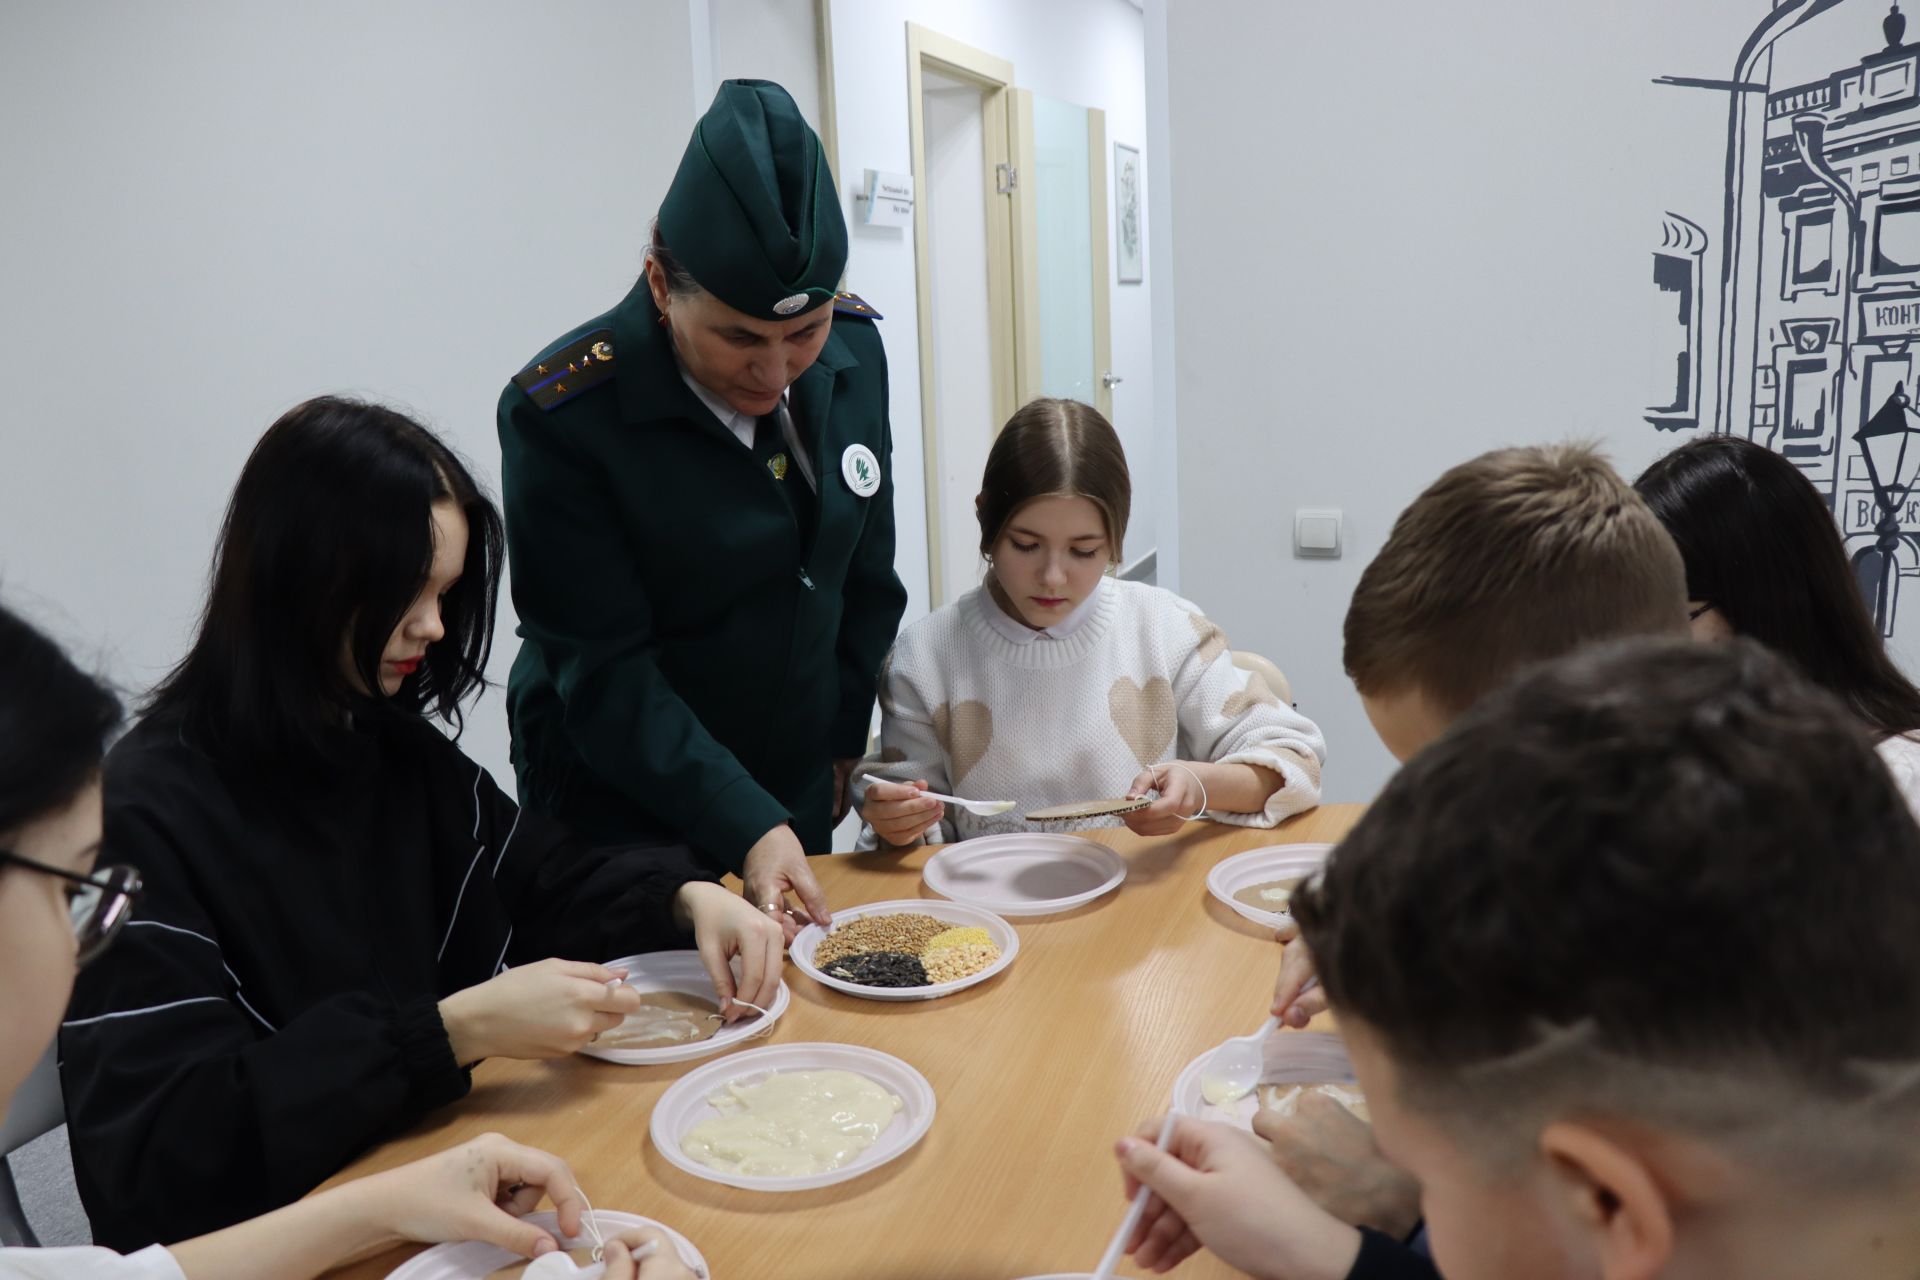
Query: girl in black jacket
[{"x": 343, "y": 913}]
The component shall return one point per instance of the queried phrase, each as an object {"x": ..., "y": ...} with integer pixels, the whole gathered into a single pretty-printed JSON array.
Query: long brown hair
[{"x": 1055, "y": 449}]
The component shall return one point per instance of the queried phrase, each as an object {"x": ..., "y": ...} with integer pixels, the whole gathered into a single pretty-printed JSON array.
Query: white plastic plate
[
  {"x": 1257, "y": 866},
  {"x": 809, "y": 939},
  {"x": 474, "y": 1260},
  {"x": 686, "y": 1104},
  {"x": 682, "y": 971},
  {"x": 1025, "y": 873},
  {"x": 1288, "y": 1057}
]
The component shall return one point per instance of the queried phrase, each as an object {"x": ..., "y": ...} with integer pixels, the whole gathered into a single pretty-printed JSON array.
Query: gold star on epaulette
[
  {"x": 852, "y": 304},
  {"x": 576, "y": 367}
]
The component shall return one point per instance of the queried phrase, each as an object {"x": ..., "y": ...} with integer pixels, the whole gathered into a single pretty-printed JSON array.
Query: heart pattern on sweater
[
  {"x": 965, "y": 731},
  {"x": 1145, "y": 716},
  {"x": 1256, "y": 694},
  {"x": 1213, "y": 641}
]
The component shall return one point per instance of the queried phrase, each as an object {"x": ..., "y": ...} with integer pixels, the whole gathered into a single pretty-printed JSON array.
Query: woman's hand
[
  {"x": 482, "y": 1190},
  {"x": 899, "y": 814},
  {"x": 1181, "y": 798},
  {"x": 725, "y": 928},
  {"x": 775, "y": 867},
  {"x": 479, "y": 1191},
  {"x": 548, "y": 1009},
  {"x": 1215, "y": 1186}
]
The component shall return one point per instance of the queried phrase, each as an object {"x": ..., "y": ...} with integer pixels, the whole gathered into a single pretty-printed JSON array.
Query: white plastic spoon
[
  {"x": 978, "y": 808},
  {"x": 1137, "y": 1206},
  {"x": 1233, "y": 1069}
]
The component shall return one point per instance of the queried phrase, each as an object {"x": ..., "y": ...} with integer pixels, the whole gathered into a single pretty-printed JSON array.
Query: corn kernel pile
[{"x": 908, "y": 950}]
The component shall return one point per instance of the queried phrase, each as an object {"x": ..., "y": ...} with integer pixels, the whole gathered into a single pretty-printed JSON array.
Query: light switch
[{"x": 1316, "y": 533}]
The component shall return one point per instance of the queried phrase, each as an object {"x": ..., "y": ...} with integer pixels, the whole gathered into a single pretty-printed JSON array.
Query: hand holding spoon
[{"x": 978, "y": 808}]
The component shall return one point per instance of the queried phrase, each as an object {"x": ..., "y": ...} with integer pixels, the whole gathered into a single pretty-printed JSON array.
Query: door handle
[{"x": 1110, "y": 379}]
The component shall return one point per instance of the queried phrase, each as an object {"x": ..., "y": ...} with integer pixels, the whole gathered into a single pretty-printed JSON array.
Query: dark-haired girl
[
  {"x": 1054, "y": 682},
  {"x": 1765, "y": 560},
  {"x": 343, "y": 912}
]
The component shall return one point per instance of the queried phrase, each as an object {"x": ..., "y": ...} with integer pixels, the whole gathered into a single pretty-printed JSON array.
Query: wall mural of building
[{"x": 1803, "y": 333}]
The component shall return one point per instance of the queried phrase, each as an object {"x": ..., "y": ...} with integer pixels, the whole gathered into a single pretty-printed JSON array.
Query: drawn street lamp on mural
[
  {"x": 1890, "y": 443},
  {"x": 1811, "y": 341}
]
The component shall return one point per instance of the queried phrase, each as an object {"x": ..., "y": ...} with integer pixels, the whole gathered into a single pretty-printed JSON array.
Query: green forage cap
[{"x": 752, "y": 213}]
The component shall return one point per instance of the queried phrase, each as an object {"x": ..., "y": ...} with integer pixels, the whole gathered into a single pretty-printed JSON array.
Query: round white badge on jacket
[{"x": 861, "y": 470}]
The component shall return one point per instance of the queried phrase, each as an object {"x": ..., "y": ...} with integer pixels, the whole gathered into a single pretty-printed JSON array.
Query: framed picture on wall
[{"x": 1128, "y": 233}]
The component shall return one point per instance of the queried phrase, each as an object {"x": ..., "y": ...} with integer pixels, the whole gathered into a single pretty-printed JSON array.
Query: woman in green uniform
[{"x": 700, "y": 523}]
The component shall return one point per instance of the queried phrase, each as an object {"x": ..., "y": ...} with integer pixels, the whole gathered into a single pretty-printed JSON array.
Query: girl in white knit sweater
[{"x": 1052, "y": 682}]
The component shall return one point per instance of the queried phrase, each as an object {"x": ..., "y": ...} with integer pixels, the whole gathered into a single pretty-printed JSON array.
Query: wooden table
[{"x": 1036, "y": 1073}]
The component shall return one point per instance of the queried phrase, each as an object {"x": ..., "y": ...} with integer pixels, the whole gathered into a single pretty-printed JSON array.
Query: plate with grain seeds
[{"x": 908, "y": 949}]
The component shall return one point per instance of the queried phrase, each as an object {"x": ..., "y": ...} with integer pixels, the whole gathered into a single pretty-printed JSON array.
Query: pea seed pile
[{"x": 907, "y": 950}]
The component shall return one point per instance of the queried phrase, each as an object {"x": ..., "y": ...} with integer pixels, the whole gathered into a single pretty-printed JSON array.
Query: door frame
[{"x": 929, "y": 50}]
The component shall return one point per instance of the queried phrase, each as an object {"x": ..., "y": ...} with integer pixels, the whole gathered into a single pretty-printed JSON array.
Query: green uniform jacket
[{"x": 687, "y": 666}]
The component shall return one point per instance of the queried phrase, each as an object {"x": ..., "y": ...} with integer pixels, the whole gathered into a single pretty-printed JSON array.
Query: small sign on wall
[
  {"x": 886, "y": 200},
  {"x": 1890, "y": 315}
]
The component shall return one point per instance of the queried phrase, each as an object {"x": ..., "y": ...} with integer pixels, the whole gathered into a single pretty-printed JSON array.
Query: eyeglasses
[
  {"x": 98, "y": 908},
  {"x": 1694, "y": 615}
]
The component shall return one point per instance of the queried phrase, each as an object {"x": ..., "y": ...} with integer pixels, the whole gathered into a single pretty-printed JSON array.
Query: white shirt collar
[
  {"x": 1020, "y": 633},
  {"x": 741, "y": 424}
]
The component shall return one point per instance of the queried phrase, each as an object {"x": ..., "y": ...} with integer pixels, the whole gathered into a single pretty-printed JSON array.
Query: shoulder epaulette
[
  {"x": 852, "y": 304},
  {"x": 576, "y": 367}
]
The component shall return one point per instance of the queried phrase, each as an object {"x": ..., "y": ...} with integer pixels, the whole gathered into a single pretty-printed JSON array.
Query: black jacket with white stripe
[{"x": 272, "y": 1010}]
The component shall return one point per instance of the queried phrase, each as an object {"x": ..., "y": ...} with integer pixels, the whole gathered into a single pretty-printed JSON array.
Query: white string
[
  {"x": 1175, "y": 764},
  {"x": 640, "y": 1254},
  {"x": 766, "y": 1024},
  {"x": 593, "y": 1230}
]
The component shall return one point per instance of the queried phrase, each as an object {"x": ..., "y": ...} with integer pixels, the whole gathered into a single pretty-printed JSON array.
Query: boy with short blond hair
[{"x": 1514, "y": 557}]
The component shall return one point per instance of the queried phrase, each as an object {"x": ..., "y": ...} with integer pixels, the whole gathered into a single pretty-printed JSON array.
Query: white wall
[
  {"x": 773, "y": 40},
  {"x": 1088, "y": 52},
  {"x": 216, "y": 208},
  {"x": 1403, "y": 234}
]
